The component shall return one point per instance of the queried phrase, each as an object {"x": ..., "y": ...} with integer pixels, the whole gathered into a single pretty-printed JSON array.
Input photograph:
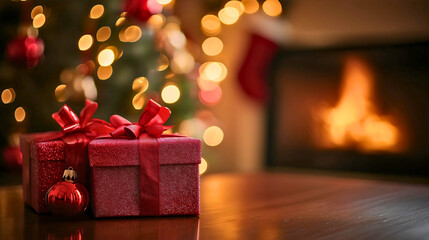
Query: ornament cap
[{"x": 69, "y": 175}]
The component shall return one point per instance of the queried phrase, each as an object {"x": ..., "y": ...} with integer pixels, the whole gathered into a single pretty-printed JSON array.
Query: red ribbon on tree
[{"x": 148, "y": 129}]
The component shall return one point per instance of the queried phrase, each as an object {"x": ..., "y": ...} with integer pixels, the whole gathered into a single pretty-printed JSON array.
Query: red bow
[
  {"x": 151, "y": 122},
  {"x": 70, "y": 122}
]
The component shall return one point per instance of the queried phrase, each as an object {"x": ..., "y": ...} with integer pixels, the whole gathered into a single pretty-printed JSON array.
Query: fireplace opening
[{"x": 351, "y": 108}]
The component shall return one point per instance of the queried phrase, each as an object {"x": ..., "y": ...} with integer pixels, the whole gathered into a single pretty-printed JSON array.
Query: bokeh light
[
  {"x": 156, "y": 21},
  {"x": 272, "y": 8},
  {"x": 120, "y": 21},
  {"x": 210, "y": 97},
  {"x": 163, "y": 62},
  {"x": 210, "y": 24},
  {"x": 213, "y": 136},
  {"x": 131, "y": 34},
  {"x": 140, "y": 84},
  {"x": 138, "y": 101},
  {"x": 39, "y": 20},
  {"x": 213, "y": 71},
  {"x": 104, "y": 73},
  {"x": 106, "y": 57},
  {"x": 60, "y": 93},
  {"x": 85, "y": 42},
  {"x": 228, "y": 15},
  {"x": 175, "y": 37},
  {"x": 19, "y": 114},
  {"x": 8, "y": 95},
  {"x": 96, "y": 11},
  {"x": 237, "y": 5},
  {"x": 36, "y": 10},
  {"x": 183, "y": 62},
  {"x": 103, "y": 34},
  {"x": 212, "y": 46},
  {"x": 250, "y": 6},
  {"x": 203, "y": 166},
  {"x": 164, "y": 2},
  {"x": 170, "y": 94}
]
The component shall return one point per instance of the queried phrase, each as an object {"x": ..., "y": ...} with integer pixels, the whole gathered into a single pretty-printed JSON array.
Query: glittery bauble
[{"x": 67, "y": 198}]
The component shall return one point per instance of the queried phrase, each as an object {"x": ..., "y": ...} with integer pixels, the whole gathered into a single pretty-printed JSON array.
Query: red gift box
[
  {"x": 115, "y": 177},
  {"x": 43, "y": 166}
]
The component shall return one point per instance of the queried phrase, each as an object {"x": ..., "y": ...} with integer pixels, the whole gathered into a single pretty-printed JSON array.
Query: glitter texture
[
  {"x": 115, "y": 176},
  {"x": 43, "y": 166}
]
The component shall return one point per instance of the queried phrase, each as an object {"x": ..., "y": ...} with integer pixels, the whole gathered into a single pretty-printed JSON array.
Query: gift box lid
[
  {"x": 125, "y": 152},
  {"x": 52, "y": 150}
]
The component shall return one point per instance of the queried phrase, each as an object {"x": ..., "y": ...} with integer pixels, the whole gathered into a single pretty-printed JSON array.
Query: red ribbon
[{"x": 148, "y": 129}]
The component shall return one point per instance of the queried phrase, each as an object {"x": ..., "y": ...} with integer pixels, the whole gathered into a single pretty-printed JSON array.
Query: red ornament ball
[
  {"x": 142, "y": 10},
  {"x": 67, "y": 198},
  {"x": 25, "y": 50}
]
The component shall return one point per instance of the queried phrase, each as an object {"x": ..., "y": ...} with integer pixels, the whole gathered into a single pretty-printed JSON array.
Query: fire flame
[{"x": 353, "y": 120}]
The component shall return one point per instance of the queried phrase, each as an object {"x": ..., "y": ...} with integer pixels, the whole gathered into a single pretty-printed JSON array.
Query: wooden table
[{"x": 251, "y": 206}]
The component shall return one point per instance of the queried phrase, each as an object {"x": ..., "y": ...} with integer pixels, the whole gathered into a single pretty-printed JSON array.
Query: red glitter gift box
[
  {"x": 43, "y": 166},
  {"x": 116, "y": 177}
]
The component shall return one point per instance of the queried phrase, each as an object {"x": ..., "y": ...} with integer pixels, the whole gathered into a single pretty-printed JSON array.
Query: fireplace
[{"x": 360, "y": 108}]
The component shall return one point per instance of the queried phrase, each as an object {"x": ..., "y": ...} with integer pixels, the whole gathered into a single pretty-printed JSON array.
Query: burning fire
[{"x": 353, "y": 120}]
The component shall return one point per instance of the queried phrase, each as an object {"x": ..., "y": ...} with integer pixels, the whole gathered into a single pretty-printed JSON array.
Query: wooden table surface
[{"x": 251, "y": 206}]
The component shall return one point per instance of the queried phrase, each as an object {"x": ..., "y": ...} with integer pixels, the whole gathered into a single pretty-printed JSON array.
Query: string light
[
  {"x": 170, "y": 94},
  {"x": 106, "y": 57},
  {"x": 228, "y": 15},
  {"x": 19, "y": 114},
  {"x": 203, "y": 166},
  {"x": 39, "y": 20},
  {"x": 96, "y": 11},
  {"x": 85, "y": 42},
  {"x": 140, "y": 84},
  {"x": 210, "y": 24},
  {"x": 36, "y": 10},
  {"x": 60, "y": 93},
  {"x": 138, "y": 101},
  {"x": 213, "y": 136},
  {"x": 250, "y": 6},
  {"x": 104, "y": 73},
  {"x": 272, "y": 8},
  {"x": 8, "y": 95},
  {"x": 103, "y": 34},
  {"x": 212, "y": 46}
]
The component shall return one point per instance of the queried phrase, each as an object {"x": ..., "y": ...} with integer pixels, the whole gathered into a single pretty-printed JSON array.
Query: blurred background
[{"x": 328, "y": 84}]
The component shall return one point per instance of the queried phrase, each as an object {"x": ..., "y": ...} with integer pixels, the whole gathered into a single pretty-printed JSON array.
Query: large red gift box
[
  {"x": 115, "y": 176},
  {"x": 43, "y": 166}
]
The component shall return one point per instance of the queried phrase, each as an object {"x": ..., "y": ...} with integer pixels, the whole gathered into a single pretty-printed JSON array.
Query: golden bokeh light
[
  {"x": 106, "y": 57},
  {"x": 163, "y": 62},
  {"x": 85, "y": 42},
  {"x": 250, "y": 6},
  {"x": 60, "y": 93},
  {"x": 210, "y": 24},
  {"x": 212, "y": 46},
  {"x": 203, "y": 166},
  {"x": 213, "y": 71},
  {"x": 170, "y": 94},
  {"x": 96, "y": 11},
  {"x": 140, "y": 84},
  {"x": 104, "y": 73},
  {"x": 156, "y": 21},
  {"x": 39, "y": 20},
  {"x": 175, "y": 36},
  {"x": 183, "y": 62},
  {"x": 103, "y": 34},
  {"x": 138, "y": 101},
  {"x": 120, "y": 21},
  {"x": 213, "y": 136},
  {"x": 36, "y": 10},
  {"x": 8, "y": 95},
  {"x": 19, "y": 114},
  {"x": 237, "y": 5},
  {"x": 164, "y": 2},
  {"x": 228, "y": 15},
  {"x": 131, "y": 34},
  {"x": 272, "y": 8}
]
